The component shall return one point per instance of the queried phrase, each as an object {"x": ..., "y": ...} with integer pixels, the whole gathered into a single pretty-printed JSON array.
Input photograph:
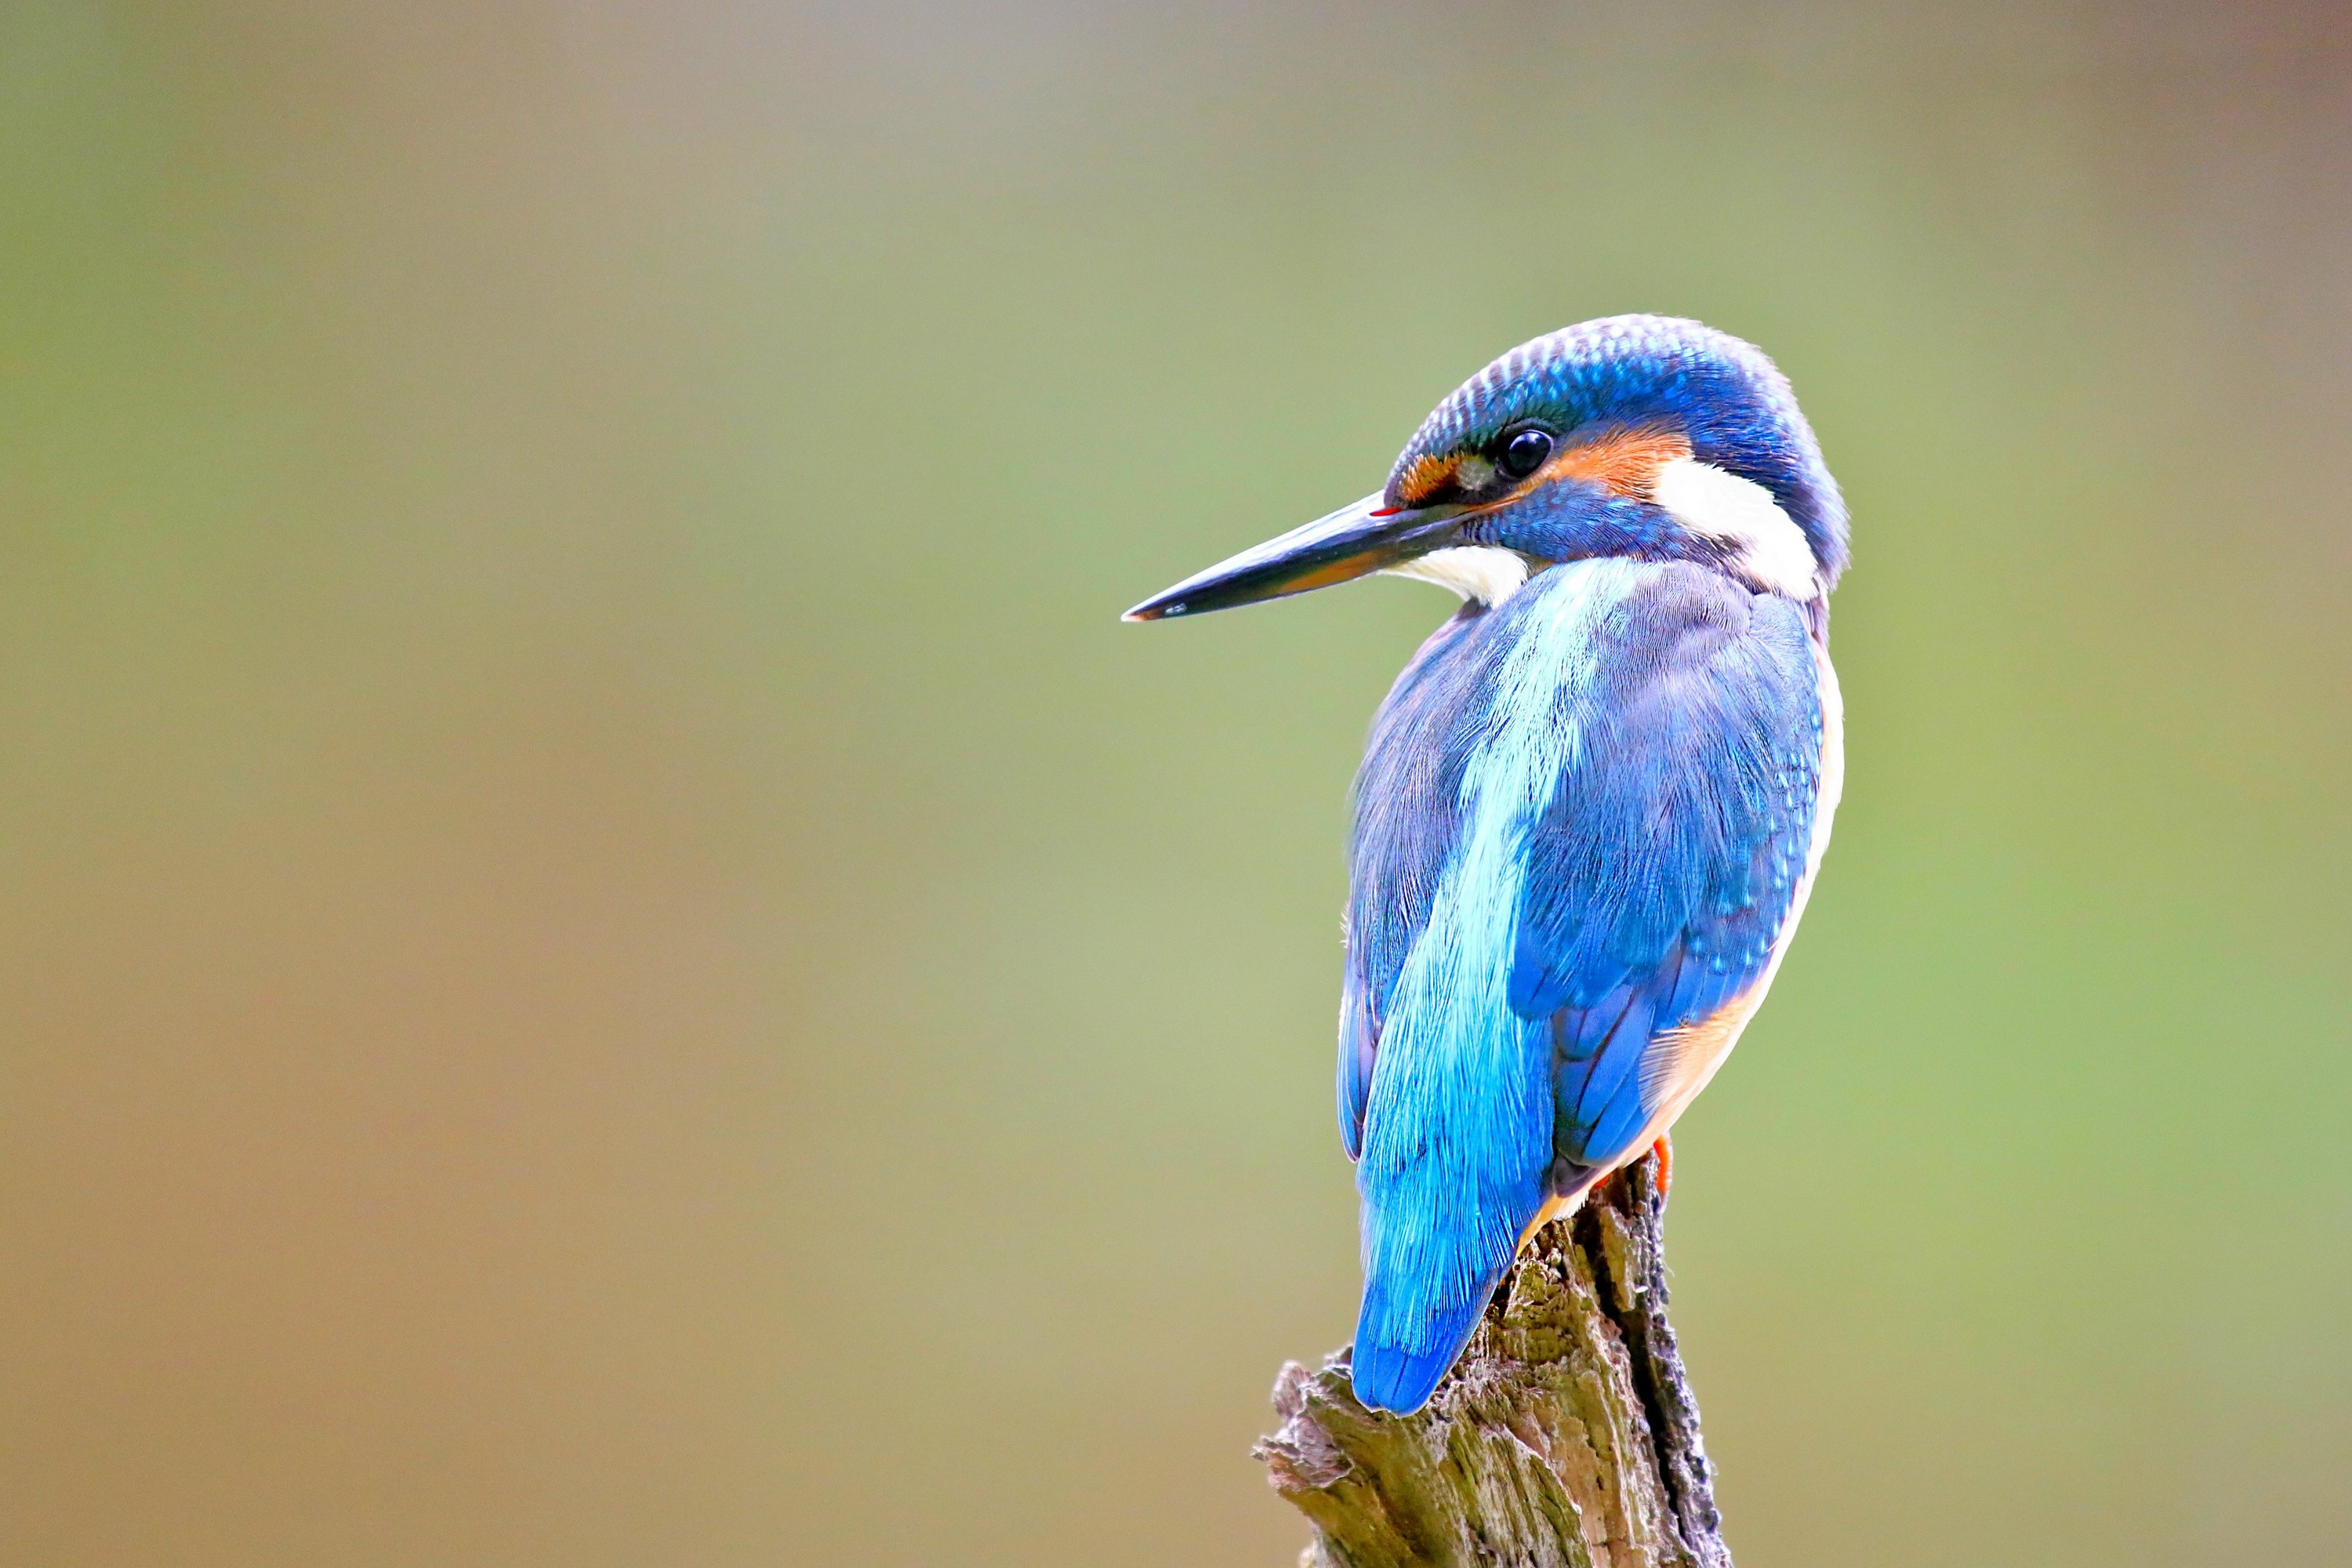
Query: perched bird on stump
[{"x": 1593, "y": 804}]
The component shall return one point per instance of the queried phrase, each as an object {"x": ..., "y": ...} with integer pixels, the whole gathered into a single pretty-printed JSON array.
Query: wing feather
[
  {"x": 1670, "y": 853},
  {"x": 1407, "y": 818}
]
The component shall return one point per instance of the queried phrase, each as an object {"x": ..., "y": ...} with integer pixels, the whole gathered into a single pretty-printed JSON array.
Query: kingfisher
[{"x": 1593, "y": 804}]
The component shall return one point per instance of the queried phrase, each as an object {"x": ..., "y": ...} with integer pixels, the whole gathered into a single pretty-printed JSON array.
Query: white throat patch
[
  {"x": 1770, "y": 549},
  {"x": 1485, "y": 572}
]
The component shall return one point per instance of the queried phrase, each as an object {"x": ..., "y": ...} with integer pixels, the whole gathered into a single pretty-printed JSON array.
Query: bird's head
[{"x": 1641, "y": 436}]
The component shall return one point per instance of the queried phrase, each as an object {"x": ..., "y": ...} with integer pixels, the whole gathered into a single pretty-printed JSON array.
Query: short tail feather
[{"x": 1403, "y": 1350}]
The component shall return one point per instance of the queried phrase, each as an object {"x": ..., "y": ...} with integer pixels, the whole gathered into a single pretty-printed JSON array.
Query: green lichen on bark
[{"x": 1565, "y": 1437}]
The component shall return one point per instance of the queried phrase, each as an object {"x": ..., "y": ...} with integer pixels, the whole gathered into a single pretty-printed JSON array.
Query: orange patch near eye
[
  {"x": 1625, "y": 461},
  {"x": 1428, "y": 475}
]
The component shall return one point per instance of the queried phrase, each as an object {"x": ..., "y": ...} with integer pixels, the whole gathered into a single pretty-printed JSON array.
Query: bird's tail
[
  {"x": 1402, "y": 1348},
  {"x": 1424, "y": 1288}
]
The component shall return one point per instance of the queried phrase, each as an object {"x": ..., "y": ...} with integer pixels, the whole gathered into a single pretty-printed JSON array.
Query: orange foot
[{"x": 1665, "y": 1150}]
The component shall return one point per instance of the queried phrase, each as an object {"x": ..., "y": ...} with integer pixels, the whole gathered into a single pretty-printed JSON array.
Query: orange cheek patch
[{"x": 1625, "y": 461}]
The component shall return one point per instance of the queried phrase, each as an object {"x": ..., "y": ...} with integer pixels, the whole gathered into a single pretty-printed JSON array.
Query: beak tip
[{"x": 1346, "y": 544}]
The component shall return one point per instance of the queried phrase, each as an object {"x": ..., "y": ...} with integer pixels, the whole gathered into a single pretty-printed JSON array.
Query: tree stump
[{"x": 1566, "y": 1437}]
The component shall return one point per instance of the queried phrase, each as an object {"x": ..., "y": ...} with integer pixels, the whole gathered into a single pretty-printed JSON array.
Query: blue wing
[
  {"x": 1580, "y": 826},
  {"x": 1660, "y": 875},
  {"x": 1408, "y": 807}
]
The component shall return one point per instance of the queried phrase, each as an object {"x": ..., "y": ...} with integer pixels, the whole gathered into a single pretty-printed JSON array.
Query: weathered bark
[{"x": 1566, "y": 1437}]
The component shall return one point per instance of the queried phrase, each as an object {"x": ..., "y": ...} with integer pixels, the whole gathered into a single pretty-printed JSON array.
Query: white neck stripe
[{"x": 1768, "y": 549}]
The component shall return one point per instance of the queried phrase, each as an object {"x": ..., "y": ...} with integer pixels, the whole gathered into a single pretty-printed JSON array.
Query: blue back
[{"x": 1580, "y": 824}]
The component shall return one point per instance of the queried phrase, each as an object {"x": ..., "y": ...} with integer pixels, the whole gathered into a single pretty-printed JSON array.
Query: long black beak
[{"x": 1349, "y": 543}]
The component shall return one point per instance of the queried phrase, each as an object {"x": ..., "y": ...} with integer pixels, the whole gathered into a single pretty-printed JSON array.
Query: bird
[{"x": 1593, "y": 805}]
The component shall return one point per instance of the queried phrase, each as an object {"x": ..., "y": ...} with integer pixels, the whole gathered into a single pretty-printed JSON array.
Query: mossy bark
[{"x": 1566, "y": 1437}]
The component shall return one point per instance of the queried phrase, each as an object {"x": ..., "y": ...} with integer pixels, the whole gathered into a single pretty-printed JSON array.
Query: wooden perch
[{"x": 1566, "y": 1437}]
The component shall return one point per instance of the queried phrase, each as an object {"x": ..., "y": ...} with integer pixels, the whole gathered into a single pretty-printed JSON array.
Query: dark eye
[{"x": 1525, "y": 452}]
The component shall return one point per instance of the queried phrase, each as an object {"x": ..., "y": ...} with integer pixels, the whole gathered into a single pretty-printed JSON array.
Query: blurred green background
[{"x": 609, "y": 956}]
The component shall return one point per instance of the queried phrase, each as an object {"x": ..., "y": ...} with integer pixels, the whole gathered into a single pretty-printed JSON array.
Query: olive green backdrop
[{"x": 608, "y": 956}]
